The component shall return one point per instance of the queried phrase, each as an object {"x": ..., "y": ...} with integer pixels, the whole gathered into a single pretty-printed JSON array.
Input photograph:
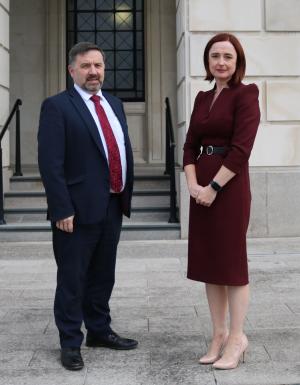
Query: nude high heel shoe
[
  {"x": 233, "y": 361},
  {"x": 210, "y": 358}
]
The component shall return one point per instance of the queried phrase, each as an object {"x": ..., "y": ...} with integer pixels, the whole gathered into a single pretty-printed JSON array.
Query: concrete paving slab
[
  {"x": 129, "y": 302},
  {"x": 13, "y": 342},
  {"x": 260, "y": 374},
  {"x": 294, "y": 306},
  {"x": 129, "y": 292},
  {"x": 170, "y": 320},
  {"x": 267, "y": 307},
  {"x": 173, "y": 300},
  {"x": 125, "y": 265},
  {"x": 15, "y": 360},
  {"x": 269, "y": 320},
  {"x": 41, "y": 377},
  {"x": 29, "y": 303},
  {"x": 130, "y": 376},
  {"x": 126, "y": 282},
  {"x": 179, "y": 325},
  {"x": 176, "y": 373},
  {"x": 47, "y": 359},
  {"x": 163, "y": 264},
  {"x": 21, "y": 328},
  {"x": 38, "y": 294},
  {"x": 28, "y": 315},
  {"x": 102, "y": 359}
]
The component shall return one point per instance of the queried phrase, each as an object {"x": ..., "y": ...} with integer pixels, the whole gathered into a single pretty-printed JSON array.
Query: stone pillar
[
  {"x": 4, "y": 84},
  {"x": 27, "y": 71},
  {"x": 273, "y": 62},
  {"x": 160, "y": 63}
]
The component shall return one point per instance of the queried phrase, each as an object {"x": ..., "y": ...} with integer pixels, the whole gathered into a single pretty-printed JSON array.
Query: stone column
[
  {"x": 27, "y": 70},
  {"x": 160, "y": 72},
  {"x": 4, "y": 83},
  {"x": 269, "y": 31}
]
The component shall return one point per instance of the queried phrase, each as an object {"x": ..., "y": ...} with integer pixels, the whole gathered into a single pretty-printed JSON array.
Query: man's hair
[{"x": 81, "y": 48}]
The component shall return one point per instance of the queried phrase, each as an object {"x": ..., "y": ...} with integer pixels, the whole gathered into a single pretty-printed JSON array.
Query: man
[{"x": 86, "y": 164}]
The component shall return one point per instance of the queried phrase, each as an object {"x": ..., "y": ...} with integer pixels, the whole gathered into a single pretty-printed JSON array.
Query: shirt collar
[{"x": 84, "y": 94}]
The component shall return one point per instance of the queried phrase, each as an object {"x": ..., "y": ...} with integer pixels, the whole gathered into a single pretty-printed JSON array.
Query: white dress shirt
[{"x": 114, "y": 123}]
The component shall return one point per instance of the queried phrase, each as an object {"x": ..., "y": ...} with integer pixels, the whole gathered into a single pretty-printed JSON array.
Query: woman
[{"x": 219, "y": 141}]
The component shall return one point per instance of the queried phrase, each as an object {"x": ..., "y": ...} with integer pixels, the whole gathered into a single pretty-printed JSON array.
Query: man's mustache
[{"x": 93, "y": 78}]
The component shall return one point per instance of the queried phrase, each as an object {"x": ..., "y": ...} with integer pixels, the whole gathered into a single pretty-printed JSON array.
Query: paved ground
[{"x": 155, "y": 303}]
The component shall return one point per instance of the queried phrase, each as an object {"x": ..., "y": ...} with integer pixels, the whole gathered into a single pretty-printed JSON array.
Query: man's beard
[{"x": 95, "y": 87}]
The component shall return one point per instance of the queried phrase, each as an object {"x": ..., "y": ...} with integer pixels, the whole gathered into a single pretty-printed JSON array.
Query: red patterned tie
[{"x": 114, "y": 160}]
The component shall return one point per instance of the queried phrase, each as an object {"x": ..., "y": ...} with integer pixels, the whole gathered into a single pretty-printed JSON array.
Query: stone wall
[
  {"x": 4, "y": 82},
  {"x": 269, "y": 31}
]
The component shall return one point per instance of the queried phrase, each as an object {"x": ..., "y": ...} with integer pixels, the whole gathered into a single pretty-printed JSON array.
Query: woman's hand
[
  {"x": 195, "y": 190},
  {"x": 206, "y": 196}
]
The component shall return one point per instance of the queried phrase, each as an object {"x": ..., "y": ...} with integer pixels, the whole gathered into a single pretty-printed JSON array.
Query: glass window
[
  {"x": 85, "y": 21},
  {"x": 117, "y": 26},
  {"x": 105, "y": 5},
  {"x": 85, "y": 4}
]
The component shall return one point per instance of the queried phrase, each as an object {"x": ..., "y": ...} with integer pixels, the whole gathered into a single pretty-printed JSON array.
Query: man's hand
[{"x": 66, "y": 224}]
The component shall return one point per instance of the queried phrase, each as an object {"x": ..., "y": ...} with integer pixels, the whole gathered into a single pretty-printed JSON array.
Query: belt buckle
[{"x": 209, "y": 150}]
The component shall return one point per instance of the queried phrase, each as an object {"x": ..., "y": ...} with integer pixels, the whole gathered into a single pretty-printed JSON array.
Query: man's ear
[{"x": 70, "y": 69}]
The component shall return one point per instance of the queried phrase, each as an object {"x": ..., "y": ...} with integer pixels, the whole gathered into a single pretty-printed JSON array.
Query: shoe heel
[{"x": 243, "y": 356}]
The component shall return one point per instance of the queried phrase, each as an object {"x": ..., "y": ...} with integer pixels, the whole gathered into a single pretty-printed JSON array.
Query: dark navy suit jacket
[{"x": 72, "y": 160}]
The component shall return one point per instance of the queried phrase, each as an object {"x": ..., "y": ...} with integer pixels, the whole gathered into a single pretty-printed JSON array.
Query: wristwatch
[{"x": 215, "y": 186}]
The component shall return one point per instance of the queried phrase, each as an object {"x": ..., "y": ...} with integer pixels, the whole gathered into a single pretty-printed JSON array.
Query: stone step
[
  {"x": 37, "y": 199},
  {"x": 34, "y": 183},
  {"x": 40, "y": 231},
  {"x": 25, "y": 208},
  {"x": 21, "y": 215}
]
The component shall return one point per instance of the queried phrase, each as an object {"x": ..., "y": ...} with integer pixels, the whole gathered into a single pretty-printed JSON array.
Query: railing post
[
  {"x": 173, "y": 210},
  {"x": 2, "y": 221},
  {"x": 170, "y": 163},
  {"x": 167, "y": 166},
  {"x": 18, "y": 171}
]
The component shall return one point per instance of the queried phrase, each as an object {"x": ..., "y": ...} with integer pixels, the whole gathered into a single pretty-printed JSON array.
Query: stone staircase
[{"x": 25, "y": 209}]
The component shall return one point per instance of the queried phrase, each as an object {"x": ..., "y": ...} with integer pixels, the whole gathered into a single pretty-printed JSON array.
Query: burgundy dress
[{"x": 217, "y": 251}]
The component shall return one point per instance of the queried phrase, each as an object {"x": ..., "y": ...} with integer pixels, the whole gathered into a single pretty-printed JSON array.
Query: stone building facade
[
  {"x": 4, "y": 82},
  {"x": 269, "y": 31},
  {"x": 33, "y": 62}
]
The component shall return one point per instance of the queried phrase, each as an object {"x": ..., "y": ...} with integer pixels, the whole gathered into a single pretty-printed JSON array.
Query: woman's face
[{"x": 222, "y": 60}]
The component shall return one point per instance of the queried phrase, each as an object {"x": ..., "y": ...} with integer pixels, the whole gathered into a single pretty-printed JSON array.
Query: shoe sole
[
  {"x": 109, "y": 347},
  {"x": 73, "y": 368}
]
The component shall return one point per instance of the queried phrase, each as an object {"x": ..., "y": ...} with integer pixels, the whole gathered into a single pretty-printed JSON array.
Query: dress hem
[{"x": 218, "y": 283}]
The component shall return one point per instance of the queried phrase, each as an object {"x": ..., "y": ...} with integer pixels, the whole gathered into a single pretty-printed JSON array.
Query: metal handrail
[
  {"x": 18, "y": 172},
  {"x": 170, "y": 162}
]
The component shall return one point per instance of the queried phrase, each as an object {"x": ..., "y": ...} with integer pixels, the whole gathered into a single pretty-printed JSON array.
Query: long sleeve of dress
[
  {"x": 192, "y": 144},
  {"x": 247, "y": 117}
]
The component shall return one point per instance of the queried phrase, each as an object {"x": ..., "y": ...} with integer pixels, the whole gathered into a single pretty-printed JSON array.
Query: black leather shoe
[
  {"x": 71, "y": 358},
  {"x": 111, "y": 340}
]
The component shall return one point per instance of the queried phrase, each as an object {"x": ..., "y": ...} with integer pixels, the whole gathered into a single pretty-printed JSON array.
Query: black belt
[{"x": 211, "y": 150}]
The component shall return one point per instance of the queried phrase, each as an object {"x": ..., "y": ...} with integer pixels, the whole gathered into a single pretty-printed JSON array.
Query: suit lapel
[{"x": 87, "y": 118}]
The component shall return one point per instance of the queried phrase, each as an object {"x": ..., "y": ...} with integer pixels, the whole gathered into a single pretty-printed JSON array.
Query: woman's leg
[
  {"x": 238, "y": 299},
  {"x": 218, "y": 304}
]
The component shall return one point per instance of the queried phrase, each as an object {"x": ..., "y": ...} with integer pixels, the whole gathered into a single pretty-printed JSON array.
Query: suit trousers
[{"x": 86, "y": 262}]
